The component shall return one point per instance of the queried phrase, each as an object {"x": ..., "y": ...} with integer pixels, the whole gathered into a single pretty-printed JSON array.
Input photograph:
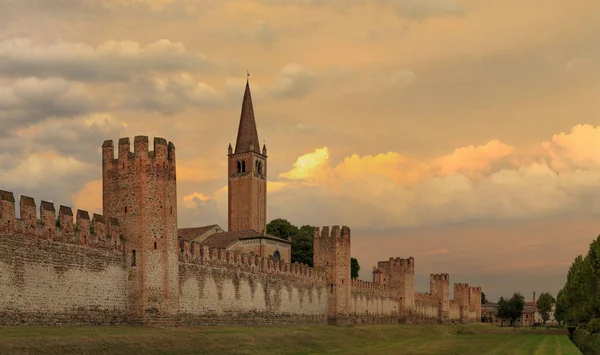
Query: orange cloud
[
  {"x": 89, "y": 198},
  {"x": 472, "y": 160},
  {"x": 309, "y": 167},
  {"x": 575, "y": 150}
]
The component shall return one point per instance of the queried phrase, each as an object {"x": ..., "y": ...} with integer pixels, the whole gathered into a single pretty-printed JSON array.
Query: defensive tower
[
  {"x": 332, "y": 254},
  {"x": 439, "y": 287},
  {"x": 400, "y": 274},
  {"x": 247, "y": 174},
  {"x": 139, "y": 189}
]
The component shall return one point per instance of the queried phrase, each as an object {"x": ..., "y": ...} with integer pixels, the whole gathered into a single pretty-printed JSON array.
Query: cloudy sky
[{"x": 464, "y": 133}]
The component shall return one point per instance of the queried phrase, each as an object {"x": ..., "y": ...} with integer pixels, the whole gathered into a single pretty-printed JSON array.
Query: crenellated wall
[
  {"x": 226, "y": 287},
  {"x": 53, "y": 271},
  {"x": 374, "y": 303},
  {"x": 426, "y": 310}
]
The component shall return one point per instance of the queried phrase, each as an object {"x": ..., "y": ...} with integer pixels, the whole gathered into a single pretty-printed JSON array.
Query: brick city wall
[
  {"x": 372, "y": 303},
  {"x": 67, "y": 274},
  {"x": 226, "y": 287},
  {"x": 454, "y": 311},
  {"x": 426, "y": 309}
]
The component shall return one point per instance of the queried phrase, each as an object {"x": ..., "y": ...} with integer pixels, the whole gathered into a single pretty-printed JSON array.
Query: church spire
[{"x": 247, "y": 138}]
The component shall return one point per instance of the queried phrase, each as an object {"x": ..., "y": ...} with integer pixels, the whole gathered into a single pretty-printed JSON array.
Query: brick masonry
[{"x": 128, "y": 266}]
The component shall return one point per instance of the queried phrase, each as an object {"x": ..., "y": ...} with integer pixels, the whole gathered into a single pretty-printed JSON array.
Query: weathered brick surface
[
  {"x": 45, "y": 282},
  {"x": 226, "y": 287},
  {"x": 139, "y": 189},
  {"x": 332, "y": 255},
  {"x": 247, "y": 191},
  {"x": 374, "y": 303}
]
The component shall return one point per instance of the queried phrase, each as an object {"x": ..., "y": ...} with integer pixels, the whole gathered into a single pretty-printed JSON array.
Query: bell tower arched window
[
  {"x": 239, "y": 166},
  {"x": 243, "y": 166}
]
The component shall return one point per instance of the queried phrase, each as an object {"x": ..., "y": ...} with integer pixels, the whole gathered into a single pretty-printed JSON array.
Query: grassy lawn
[{"x": 374, "y": 339}]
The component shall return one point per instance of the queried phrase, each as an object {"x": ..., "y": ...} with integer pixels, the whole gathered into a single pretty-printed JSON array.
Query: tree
[
  {"x": 559, "y": 312},
  {"x": 483, "y": 299},
  {"x": 503, "y": 309},
  {"x": 354, "y": 267},
  {"x": 302, "y": 245},
  {"x": 544, "y": 305},
  {"x": 512, "y": 308},
  {"x": 282, "y": 228},
  {"x": 516, "y": 305},
  {"x": 302, "y": 239}
]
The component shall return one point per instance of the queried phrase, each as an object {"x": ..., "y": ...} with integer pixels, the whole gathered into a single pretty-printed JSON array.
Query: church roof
[
  {"x": 225, "y": 239},
  {"x": 247, "y": 133},
  {"x": 189, "y": 234}
]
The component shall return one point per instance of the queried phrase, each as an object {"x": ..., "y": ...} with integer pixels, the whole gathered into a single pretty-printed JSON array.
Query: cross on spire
[{"x": 247, "y": 75}]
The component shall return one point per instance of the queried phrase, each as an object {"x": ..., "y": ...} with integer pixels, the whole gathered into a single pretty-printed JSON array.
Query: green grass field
[{"x": 375, "y": 339}]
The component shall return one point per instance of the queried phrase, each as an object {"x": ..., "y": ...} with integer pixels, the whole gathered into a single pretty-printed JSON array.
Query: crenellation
[
  {"x": 65, "y": 223},
  {"x": 48, "y": 220},
  {"x": 7, "y": 212},
  {"x": 82, "y": 219},
  {"x": 28, "y": 215},
  {"x": 196, "y": 256},
  {"x": 140, "y": 148}
]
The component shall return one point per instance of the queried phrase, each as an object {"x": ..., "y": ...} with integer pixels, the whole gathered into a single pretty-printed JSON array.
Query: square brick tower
[
  {"x": 139, "y": 189},
  {"x": 247, "y": 174}
]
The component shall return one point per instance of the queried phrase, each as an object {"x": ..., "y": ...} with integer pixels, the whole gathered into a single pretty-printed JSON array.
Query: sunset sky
[{"x": 464, "y": 133}]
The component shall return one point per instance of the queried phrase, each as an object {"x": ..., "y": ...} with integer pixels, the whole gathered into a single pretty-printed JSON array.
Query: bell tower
[{"x": 247, "y": 174}]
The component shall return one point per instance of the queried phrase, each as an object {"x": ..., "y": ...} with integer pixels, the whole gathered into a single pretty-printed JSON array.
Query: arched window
[
  {"x": 243, "y": 166},
  {"x": 277, "y": 256},
  {"x": 260, "y": 172},
  {"x": 239, "y": 166}
]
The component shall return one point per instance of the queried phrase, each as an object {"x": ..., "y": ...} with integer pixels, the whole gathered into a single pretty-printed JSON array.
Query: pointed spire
[{"x": 247, "y": 138}]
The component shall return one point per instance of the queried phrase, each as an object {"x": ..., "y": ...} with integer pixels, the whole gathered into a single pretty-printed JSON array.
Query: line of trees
[
  {"x": 302, "y": 242},
  {"x": 578, "y": 302}
]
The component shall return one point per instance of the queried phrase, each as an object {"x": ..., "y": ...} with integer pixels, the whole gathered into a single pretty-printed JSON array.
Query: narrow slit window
[
  {"x": 154, "y": 245},
  {"x": 133, "y": 258}
]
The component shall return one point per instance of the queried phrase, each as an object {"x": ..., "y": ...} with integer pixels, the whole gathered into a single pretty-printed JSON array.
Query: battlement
[
  {"x": 374, "y": 289},
  {"x": 96, "y": 233},
  {"x": 193, "y": 253},
  {"x": 163, "y": 155},
  {"x": 335, "y": 232},
  {"x": 439, "y": 277},
  {"x": 425, "y": 298},
  {"x": 461, "y": 285},
  {"x": 397, "y": 265}
]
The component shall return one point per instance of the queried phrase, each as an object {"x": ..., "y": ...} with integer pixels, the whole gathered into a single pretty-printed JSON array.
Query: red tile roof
[
  {"x": 189, "y": 234},
  {"x": 225, "y": 239}
]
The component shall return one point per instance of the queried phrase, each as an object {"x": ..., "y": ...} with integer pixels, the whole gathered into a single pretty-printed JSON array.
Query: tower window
[
  {"x": 171, "y": 210},
  {"x": 123, "y": 165},
  {"x": 125, "y": 209},
  {"x": 154, "y": 245},
  {"x": 239, "y": 166},
  {"x": 133, "y": 258},
  {"x": 243, "y": 166},
  {"x": 331, "y": 288}
]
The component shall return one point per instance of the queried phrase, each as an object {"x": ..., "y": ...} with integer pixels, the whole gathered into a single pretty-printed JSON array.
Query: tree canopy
[
  {"x": 511, "y": 308},
  {"x": 483, "y": 299},
  {"x": 578, "y": 302},
  {"x": 302, "y": 239},
  {"x": 544, "y": 305},
  {"x": 354, "y": 267}
]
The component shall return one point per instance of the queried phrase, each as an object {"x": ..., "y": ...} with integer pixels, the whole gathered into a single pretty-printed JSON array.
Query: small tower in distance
[{"x": 247, "y": 174}]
